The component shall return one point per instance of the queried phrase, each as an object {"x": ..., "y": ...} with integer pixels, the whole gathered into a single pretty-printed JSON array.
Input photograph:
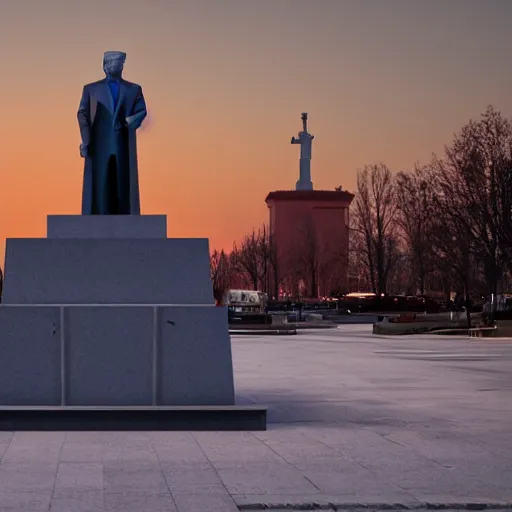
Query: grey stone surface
[
  {"x": 121, "y": 478},
  {"x": 23, "y": 477},
  {"x": 108, "y": 359},
  {"x": 17, "y": 501},
  {"x": 83, "y": 501},
  {"x": 358, "y": 420},
  {"x": 74, "y": 478},
  {"x": 30, "y": 351},
  {"x": 191, "y": 478},
  {"x": 139, "y": 501},
  {"x": 107, "y": 271},
  {"x": 106, "y": 226},
  {"x": 203, "y": 503},
  {"x": 260, "y": 478},
  {"x": 194, "y": 354},
  {"x": 5, "y": 441},
  {"x": 109, "y": 355}
]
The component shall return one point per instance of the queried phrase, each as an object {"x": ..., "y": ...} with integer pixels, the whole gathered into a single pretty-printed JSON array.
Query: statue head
[
  {"x": 304, "y": 118},
  {"x": 113, "y": 63}
]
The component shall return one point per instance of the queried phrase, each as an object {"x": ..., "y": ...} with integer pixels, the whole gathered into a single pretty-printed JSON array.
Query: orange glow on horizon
[{"x": 225, "y": 83}]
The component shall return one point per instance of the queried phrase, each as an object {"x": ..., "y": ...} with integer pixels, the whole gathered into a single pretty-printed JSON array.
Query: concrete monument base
[
  {"x": 113, "y": 322},
  {"x": 106, "y": 226},
  {"x": 107, "y": 271},
  {"x": 115, "y": 356}
]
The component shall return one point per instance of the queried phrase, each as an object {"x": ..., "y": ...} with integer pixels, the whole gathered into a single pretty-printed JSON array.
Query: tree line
[
  {"x": 443, "y": 226},
  {"x": 446, "y": 225}
]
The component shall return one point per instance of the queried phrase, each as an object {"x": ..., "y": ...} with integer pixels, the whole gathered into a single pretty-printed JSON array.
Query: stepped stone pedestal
[{"x": 108, "y": 324}]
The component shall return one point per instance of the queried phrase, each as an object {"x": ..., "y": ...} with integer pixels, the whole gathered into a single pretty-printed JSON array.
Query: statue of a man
[
  {"x": 305, "y": 139},
  {"x": 109, "y": 114}
]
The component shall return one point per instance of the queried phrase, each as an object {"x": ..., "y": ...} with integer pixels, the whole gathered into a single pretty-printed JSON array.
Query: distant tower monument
[{"x": 305, "y": 140}]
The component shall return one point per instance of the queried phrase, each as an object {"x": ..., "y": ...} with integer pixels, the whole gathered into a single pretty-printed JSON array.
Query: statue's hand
[
  {"x": 134, "y": 122},
  {"x": 84, "y": 150}
]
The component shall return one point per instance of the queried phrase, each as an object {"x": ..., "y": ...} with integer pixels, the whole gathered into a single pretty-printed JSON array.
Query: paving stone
[
  {"x": 20, "y": 501},
  {"x": 78, "y": 501},
  {"x": 5, "y": 441},
  {"x": 222, "y": 448},
  {"x": 140, "y": 502},
  {"x": 82, "y": 452},
  {"x": 190, "y": 478},
  {"x": 35, "y": 446},
  {"x": 354, "y": 481},
  {"x": 301, "y": 449},
  {"x": 205, "y": 503},
  {"x": 180, "y": 448},
  {"x": 260, "y": 478},
  {"x": 38, "y": 477},
  {"x": 118, "y": 479},
  {"x": 79, "y": 477}
]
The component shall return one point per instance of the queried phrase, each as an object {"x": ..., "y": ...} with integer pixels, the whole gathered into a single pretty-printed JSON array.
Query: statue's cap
[{"x": 111, "y": 55}]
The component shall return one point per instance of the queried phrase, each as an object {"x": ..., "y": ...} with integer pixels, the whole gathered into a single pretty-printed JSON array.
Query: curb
[
  {"x": 266, "y": 332},
  {"x": 375, "y": 506}
]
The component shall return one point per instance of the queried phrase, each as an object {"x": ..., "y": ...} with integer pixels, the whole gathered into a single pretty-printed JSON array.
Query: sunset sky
[{"x": 226, "y": 81}]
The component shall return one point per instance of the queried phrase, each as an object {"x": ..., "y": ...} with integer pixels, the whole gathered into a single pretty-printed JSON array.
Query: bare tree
[
  {"x": 451, "y": 233},
  {"x": 274, "y": 266},
  {"x": 415, "y": 203},
  {"x": 374, "y": 221},
  {"x": 359, "y": 276},
  {"x": 475, "y": 176},
  {"x": 245, "y": 259},
  {"x": 220, "y": 273},
  {"x": 264, "y": 257},
  {"x": 267, "y": 258},
  {"x": 505, "y": 225},
  {"x": 255, "y": 260},
  {"x": 238, "y": 277},
  {"x": 401, "y": 278},
  {"x": 453, "y": 248}
]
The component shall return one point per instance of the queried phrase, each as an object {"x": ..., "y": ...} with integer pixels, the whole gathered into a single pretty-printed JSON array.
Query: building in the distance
[{"x": 310, "y": 230}]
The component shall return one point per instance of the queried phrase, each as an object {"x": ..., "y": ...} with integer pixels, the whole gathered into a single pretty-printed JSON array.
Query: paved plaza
[{"x": 353, "y": 419}]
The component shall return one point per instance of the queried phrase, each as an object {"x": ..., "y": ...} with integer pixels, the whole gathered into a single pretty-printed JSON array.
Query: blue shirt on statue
[{"x": 113, "y": 85}]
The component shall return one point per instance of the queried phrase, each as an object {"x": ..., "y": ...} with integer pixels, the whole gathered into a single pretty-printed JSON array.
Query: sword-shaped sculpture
[{"x": 305, "y": 140}]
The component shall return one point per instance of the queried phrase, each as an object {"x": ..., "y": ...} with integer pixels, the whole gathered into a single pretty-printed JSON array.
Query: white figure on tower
[{"x": 305, "y": 140}]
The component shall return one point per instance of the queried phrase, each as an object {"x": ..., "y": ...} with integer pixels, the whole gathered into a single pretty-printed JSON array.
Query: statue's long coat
[{"x": 105, "y": 131}]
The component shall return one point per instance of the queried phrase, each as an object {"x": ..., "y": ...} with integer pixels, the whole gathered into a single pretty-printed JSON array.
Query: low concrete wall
[
  {"x": 279, "y": 318},
  {"x": 503, "y": 329},
  {"x": 426, "y": 323},
  {"x": 357, "y": 318}
]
